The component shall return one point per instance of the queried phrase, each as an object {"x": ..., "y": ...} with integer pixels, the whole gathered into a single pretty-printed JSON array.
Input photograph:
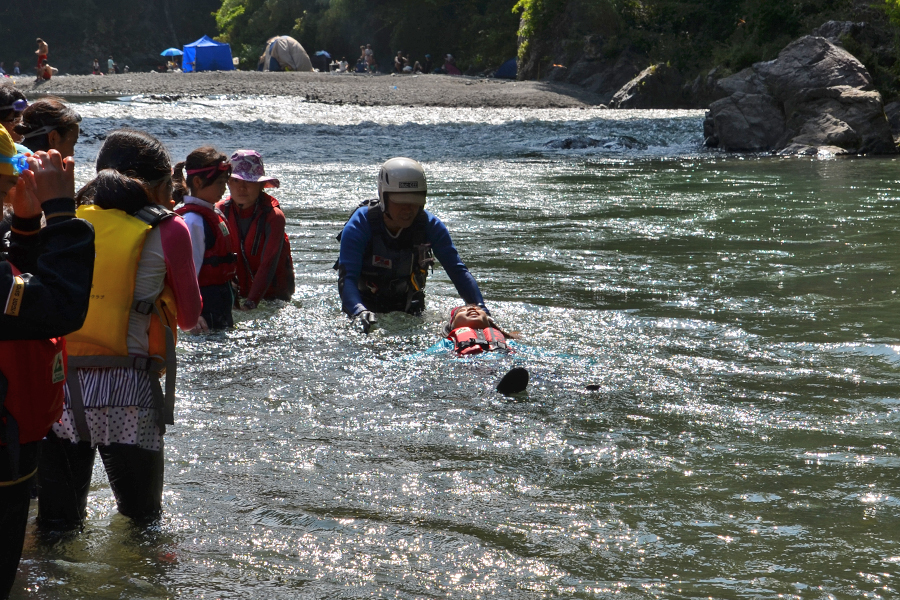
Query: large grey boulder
[{"x": 814, "y": 98}]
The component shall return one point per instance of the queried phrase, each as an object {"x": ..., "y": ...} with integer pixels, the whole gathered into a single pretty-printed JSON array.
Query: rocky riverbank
[{"x": 344, "y": 88}]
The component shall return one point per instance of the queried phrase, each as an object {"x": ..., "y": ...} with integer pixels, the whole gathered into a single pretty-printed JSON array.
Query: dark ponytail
[{"x": 111, "y": 189}]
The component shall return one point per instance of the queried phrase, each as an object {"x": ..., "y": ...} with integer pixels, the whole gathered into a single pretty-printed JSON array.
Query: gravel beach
[{"x": 343, "y": 88}]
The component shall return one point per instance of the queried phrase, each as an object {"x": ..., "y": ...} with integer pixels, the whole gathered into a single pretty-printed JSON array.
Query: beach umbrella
[
  {"x": 323, "y": 53},
  {"x": 171, "y": 52}
]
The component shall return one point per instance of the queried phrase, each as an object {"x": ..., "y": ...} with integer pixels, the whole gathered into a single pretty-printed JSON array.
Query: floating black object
[{"x": 515, "y": 381}]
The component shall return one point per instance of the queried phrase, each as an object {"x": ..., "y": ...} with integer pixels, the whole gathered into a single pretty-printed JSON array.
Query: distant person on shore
[
  {"x": 200, "y": 182},
  {"x": 390, "y": 243},
  {"x": 95, "y": 67},
  {"x": 265, "y": 270},
  {"x": 2, "y": 70},
  {"x": 42, "y": 52},
  {"x": 417, "y": 68},
  {"x": 46, "y": 72},
  {"x": 16, "y": 70},
  {"x": 49, "y": 124},
  {"x": 343, "y": 65},
  {"x": 12, "y": 104},
  {"x": 110, "y": 65},
  {"x": 371, "y": 65},
  {"x": 450, "y": 67},
  {"x": 399, "y": 62},
  {"x": 428, "y": 66}
]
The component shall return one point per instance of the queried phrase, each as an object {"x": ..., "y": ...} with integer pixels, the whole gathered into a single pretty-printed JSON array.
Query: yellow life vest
[
  {"x": 102, "y": 342},
  {"x": 119, "y": 240}
]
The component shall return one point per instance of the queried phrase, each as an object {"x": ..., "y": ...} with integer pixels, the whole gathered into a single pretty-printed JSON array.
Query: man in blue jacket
[{"x": 390, "y": 243}]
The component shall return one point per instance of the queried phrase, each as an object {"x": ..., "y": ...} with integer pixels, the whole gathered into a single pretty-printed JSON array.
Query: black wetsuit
[{"x": 57, "y": 267}]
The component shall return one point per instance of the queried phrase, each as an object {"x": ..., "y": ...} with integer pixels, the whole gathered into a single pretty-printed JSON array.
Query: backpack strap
[{"x": 153, "y": 214}]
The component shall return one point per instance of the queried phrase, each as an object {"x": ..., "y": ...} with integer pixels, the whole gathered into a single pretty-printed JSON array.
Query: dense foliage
[
  {"x": 80, "y": 30},
  {"x": 694, "y": 33},
  {"x": 481, "y": 34}
]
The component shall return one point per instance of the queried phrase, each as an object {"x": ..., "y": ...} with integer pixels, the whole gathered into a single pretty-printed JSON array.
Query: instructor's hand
[{"x": 365, "y": 319}]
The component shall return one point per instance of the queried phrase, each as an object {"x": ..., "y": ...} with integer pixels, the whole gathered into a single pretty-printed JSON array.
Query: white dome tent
[{"x": 284, "y": 53}]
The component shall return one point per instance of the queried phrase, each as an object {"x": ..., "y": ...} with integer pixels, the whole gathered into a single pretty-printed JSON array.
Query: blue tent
[
  {"x": 206, "y": 55},
  {"x": 507, "y": 70}
]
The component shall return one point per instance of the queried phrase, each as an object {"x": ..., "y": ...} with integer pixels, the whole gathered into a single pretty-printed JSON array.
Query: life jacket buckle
[
  {"x": 143, "y": 363},
  {"x": 143, "y": 307}
]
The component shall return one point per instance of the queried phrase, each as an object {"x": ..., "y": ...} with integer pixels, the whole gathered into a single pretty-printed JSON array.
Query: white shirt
[{"x": 198, "y": 234}]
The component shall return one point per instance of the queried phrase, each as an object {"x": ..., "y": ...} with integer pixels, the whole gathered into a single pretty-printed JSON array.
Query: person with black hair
[
  {"x": 45, "y": 277},
  {"x": 215, "y": 260},
  {"x": 50, "y": 124},
  {"x": 12, "y": 104},
  {"x": 143, "y": 285}
]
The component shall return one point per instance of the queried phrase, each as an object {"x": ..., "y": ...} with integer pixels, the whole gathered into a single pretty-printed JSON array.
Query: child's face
[
  {"x": 470, "y": 316},
  {"x": 213, "y": 192}
]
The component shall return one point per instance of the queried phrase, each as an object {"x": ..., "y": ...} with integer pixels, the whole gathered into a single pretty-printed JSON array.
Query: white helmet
[{"x": 402, "y": 176}]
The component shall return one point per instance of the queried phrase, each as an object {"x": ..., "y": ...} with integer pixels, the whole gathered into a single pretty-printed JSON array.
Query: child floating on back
[{"x": 471, "y": 332}]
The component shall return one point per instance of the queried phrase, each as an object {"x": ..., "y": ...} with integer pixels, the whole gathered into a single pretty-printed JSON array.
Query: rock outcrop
[
  {"x": 814, "y": 98},
  {"x": 595, "y": 72}
]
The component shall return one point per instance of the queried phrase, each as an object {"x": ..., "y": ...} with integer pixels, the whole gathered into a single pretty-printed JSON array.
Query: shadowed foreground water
[{"x": 735, "y": 319}]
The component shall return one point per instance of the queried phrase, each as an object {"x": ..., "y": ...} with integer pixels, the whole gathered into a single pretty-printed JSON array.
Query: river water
[{"x": 712, "y": 340}]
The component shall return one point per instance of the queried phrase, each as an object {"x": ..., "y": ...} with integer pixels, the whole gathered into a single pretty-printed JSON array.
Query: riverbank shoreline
[{"x": 326, "y": 88}]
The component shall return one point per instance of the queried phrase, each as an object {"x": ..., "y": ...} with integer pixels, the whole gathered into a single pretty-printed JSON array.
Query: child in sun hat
[{"x": 265, "y": 269}]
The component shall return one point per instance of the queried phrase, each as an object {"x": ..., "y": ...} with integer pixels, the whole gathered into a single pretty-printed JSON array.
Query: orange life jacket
[{"x": 468, "y": 341}]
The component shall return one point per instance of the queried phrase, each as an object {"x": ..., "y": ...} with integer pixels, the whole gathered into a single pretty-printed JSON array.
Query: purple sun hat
[{"x": 247, "y": 165}]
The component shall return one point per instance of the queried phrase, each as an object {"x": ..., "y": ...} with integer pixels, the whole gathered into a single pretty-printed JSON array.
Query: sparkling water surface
[{"x": 712, "y": 340}]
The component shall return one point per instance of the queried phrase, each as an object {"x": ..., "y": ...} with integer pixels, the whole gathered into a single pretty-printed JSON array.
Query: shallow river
[{"x": 713, "y": 344}]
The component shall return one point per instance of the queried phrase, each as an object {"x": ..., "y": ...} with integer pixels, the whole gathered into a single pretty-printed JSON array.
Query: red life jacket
[
  {"x": 250, "y": 248},
  {"x": 219, "y": 260},
  {"x": 32, "y": 376},
  {"x": 468, "y": 341}
]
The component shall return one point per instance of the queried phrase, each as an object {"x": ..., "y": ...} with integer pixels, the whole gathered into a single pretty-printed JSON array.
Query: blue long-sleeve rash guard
[{"x": 355, "y": 238}]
